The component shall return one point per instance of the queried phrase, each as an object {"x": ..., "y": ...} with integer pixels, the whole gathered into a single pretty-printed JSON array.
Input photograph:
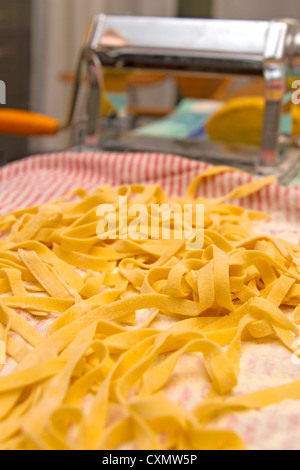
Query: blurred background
[{"x": 40, "y": 41}]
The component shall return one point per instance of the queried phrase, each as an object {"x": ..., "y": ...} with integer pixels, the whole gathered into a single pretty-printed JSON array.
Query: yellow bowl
[{"x": 241, "y": 121}]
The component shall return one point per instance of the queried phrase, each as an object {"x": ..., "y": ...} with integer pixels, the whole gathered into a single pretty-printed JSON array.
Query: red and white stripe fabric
[{"x": 42, "y": 178}]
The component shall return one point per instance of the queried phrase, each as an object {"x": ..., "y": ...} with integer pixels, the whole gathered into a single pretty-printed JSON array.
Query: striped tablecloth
[{"x": 44, "y": 177}]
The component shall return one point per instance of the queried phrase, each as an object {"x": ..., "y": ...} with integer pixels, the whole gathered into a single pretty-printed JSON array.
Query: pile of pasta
[{"x": 94, "y": 377}]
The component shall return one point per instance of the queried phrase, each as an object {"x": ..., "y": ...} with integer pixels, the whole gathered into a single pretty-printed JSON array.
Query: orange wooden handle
[{"x": 26, "y": 123}]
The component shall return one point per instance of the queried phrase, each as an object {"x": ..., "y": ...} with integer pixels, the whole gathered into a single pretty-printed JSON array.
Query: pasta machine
[
  {"x": 270, "y": 50},
  {"x": 266, "y": 49}
]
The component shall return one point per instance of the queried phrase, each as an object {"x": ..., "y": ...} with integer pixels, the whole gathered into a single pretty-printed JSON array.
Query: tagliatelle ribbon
[{"x": 97, "y": 379}]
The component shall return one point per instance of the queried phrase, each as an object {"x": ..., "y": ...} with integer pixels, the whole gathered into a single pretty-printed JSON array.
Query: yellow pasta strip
[
  {"x": 45, "y": 214},
  {"x": 4, "y": 286},
  {"x": 207, "y": 174},
  {"x": 39, "y": 303},
  {"x": 15, "y": 280},
  {"x": 42, "y": 274},
  {"x": 37, "y": 374},
  {"x": 46, "y": 255},
  {"x": 92, "y": 286},
  {"x": 80, "y": 260},
  {"x": 19, "y": 325},
  {"x": 79, "y": 310}
]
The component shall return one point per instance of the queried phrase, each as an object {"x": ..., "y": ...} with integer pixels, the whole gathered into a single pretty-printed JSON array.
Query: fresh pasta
[{"x": 94, "y": 376}]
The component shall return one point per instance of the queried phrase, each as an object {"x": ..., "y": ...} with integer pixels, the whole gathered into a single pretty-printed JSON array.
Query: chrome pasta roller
[{"x": 221, "y": 47}]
